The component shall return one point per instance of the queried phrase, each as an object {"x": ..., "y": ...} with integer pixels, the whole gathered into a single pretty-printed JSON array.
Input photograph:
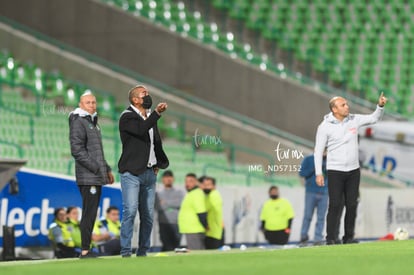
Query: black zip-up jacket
[
  {"x": 136, "y": 142},
  {"x": 86, "y": 147}
]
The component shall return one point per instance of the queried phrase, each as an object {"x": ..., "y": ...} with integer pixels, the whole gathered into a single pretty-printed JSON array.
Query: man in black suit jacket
[{"x": 142, "y": 156}]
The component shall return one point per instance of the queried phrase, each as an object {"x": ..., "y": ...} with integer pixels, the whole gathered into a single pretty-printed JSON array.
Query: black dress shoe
[
  {"x": 89, "y": 255},
  {"x": 350, "y": 241},
  {"x": 304, "y": 241},
  {"x": 317, "y": 243},
  {"x": 330, "y": 242}
]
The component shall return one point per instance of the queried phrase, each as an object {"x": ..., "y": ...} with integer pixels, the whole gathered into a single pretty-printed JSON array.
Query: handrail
[
  {"x": 234, "y": 148},
  {"x": 183, "y": 118},
  {"x": 20, "y": 150}
]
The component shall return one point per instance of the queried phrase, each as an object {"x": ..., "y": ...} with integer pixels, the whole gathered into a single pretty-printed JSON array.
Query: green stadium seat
[
  {"x": 301, "y": 53},
  {"x": 144, "y": 8},
  {"x": 222, "y": 4},
  {"x": 286, "y": 41},
  {"x": 256, "y": 19},
  {"x": 55, "y": 85},
  {"x": 106, "y": 105},
  {"x": 272, "y": 31},
  {"x": 71, "y": 96},
  {"x": 239, "y": 9},
  {"x": 337, "y": 74},
  {"x": 210, "y": 34},
  {"x": 8, "y": 69},
  {"x": 319, "y": 63},
  {"x": 350, "y": 35}
]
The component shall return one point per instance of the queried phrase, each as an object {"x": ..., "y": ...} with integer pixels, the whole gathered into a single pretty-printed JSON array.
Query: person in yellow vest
[
  {"x": 106, "y": 233},
  {"x": 73, "y": 225},
  {"x": 214, "y": 205},
  {"x": 59, "y": 235},
  {"x": 192, "y": 217},
  {"x": 276, "y": 217}
]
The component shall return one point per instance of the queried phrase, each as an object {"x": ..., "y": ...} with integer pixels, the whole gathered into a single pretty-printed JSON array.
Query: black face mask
[
  {"x": 147, "y": 102},
  {"x": 274, "y": 197},
  {"x": 207, "y": 191}
]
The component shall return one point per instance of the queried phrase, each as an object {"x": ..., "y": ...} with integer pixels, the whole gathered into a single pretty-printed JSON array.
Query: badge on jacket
[
  {"x": 91, "y": 126},
  {"x": 93, "y": 190}
]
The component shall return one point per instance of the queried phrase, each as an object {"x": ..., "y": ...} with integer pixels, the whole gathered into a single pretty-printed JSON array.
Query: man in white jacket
[{"x": 338, "y": 132}]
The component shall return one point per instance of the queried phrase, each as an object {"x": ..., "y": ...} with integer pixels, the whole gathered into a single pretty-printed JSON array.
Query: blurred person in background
[
  {"x": 74, "y": 225},
  {"x": 59, "y": 235},
  {"x": 106, "y": 233},
  {"x": 192, "y": 217},
  {"x": 167, "y": 203},
  {"x": 316, "y": 197},
  {"x": 214, "y": 205},
  {"x": 276, "y": 218}
]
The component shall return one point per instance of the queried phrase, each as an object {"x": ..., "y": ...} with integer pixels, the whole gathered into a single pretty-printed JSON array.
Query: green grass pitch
[{"x": 388, "y": 257}]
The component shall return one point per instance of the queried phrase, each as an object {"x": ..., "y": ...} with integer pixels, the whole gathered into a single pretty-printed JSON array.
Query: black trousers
[
  {"x": 90, "y": 202},
  {"x": 338, "y": 226},
  {"x": 62, "y": 251},
  {"x": 110, "y": 248},
  {"x": 223, "y": 238},
  {"x": 169, "y": 236},
  {"x": 277, "y": 237},
  {"x": 212, "y": 243},
  {"x": 343, "y": 188}
]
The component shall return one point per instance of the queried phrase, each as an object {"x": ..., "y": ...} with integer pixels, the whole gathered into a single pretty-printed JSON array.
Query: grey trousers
[{"x": 195, "y": 241}]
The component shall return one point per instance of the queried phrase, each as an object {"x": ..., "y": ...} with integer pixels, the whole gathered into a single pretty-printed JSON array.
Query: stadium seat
[
  {"x": 71, "y": 96},
  {"x": 222, "y": 4},
  {"x": 106, "y": 105},
  {"x": 8, "y": 68},
  {"x": 55, "y": 85},
  {"x": 239, "y": 9},
  {"x": 348, "y": 40},
  {"x": 345, "y": 34}
]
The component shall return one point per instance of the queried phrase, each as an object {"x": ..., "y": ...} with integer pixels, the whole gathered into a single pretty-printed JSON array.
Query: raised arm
[{"x": 376, "y": 115}]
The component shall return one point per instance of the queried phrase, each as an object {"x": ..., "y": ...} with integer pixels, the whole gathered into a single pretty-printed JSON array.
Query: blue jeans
[
  {"x": 138, "y": 194},
  {"x": 312, "y": 201}
]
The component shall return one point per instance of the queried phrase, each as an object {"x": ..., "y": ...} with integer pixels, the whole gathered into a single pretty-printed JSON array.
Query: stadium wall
[{"x": 153, "y": 51}]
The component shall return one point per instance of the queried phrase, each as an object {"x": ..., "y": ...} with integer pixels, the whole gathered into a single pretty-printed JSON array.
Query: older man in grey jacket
[
  {"x": 338, "y": 132},
  {"x": 92, "y": 170}
]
